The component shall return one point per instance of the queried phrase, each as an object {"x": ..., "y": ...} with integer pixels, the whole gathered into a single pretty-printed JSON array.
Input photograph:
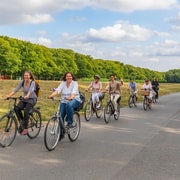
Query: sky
[{"x": 142, "y": 33}]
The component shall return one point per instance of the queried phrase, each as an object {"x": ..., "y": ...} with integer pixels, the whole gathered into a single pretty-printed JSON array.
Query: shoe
[
  {"x": 71, "y": 125},
  {"x": 24, "y": 132},
  {"x": 98, "y": 105},
  {"x": 115, "y": 113}
]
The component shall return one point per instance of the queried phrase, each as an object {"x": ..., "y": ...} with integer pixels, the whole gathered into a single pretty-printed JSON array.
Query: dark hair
[
  {"x": 112, "y": 75},
  {"x": 30, "y": 73},
  {"x": 64, "y": 76}
]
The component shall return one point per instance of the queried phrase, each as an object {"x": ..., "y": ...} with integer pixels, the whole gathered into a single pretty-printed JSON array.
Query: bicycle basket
[{"x": 144, "y": 93}]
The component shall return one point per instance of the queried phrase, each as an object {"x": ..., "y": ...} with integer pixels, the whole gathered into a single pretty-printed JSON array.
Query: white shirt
[{"x": 67, "y": 91}]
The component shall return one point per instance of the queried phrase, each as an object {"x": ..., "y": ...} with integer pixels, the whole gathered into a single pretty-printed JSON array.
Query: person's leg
[
  {"x": 18, "y": 110},
  {"x": 27, "y": 109},
  {"x": 93, "y": 98},
  {"x": 70, "y": 105},
  {"x": 115, "y": 101},
  {"x": 97, "y": 100}
]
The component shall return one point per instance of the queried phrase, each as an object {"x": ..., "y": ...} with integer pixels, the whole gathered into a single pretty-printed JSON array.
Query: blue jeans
[{"x": 68, "y": 109}]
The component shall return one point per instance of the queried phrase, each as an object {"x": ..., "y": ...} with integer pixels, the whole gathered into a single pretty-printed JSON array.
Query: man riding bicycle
[
  {"x": 133, "y": 87},
  {"x": 155, "y": 86},
  {"x": 114, "y": 90}
]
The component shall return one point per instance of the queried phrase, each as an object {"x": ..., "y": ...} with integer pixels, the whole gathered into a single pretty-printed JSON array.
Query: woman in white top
[
  {"x": 69, "y": 95},
  {"x": 96, "y": 90},
  {"x": 147, "y": 86}
]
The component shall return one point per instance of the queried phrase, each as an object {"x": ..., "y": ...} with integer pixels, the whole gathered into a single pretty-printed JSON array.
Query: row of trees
[{"x": 16, "y": 56}]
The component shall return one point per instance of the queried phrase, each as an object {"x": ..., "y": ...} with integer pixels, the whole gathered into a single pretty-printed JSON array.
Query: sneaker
[
  {"x": 115, "y": 113},
  {"x": 71, "y": 125},
  {"x": 24, "y": 132},
  {"x": 98, "y": 105}
]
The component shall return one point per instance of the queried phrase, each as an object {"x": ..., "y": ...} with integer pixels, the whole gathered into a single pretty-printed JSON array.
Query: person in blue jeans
[{"x": 70, "y": 98}]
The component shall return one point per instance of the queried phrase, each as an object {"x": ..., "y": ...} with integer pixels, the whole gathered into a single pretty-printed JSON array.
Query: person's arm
[
  {"x": 57, "y": 91},
  {"x": 16, "y": 89},
  {"x": 90, "y": 86}
]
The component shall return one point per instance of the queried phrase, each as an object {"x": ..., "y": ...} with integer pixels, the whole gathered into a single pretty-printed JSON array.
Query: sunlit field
[{"x": 48, "y": 107}]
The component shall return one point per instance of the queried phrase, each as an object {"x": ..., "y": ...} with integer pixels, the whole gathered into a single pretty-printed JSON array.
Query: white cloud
[
  {"x": 131, "y": 5},
  {"x": 14, "y": 11},
  {"x": 37, "y": 18},
  {"x": 120, "y": 32}
]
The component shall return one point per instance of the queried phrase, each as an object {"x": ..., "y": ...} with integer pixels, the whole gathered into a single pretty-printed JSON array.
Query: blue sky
[{"x": 144, "y": 33}]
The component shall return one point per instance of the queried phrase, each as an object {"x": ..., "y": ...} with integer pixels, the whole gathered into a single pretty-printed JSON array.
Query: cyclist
[
  {"x": 28, "y": 101},
  {"x": 147, "y": 86},
  {"x": 114, "y": 90},
  {"x": 70, "y": 97},
  {"x": 133, "y": 87},
  {"x": 155, "y": 86},
  {"x": 96, "y": 90}
]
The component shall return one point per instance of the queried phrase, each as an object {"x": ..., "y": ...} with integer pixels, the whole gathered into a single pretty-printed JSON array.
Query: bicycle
[
  {"x": 90, "y": 109},
  {"x": 132, "y": 99},
  {"x": 56, "y": 127},
  {"x": 10, "y": 124},
  {"x": 110, "y": 110},
  {"x": 146, "y": 101}
]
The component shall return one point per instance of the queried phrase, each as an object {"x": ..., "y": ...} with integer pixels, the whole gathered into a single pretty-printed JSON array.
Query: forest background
[{"x": 16, "y": 56}]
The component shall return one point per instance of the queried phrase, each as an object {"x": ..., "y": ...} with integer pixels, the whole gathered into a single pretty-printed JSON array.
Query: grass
[{"x": 48, "y": 107}]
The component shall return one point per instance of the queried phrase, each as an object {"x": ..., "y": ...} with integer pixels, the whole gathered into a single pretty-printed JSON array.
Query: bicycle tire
[
  {"x": 34, "y": 124},
  {"x": 8, "y": 130},
  {"x": 130, "y": 101},
  {"x": 145, "y": 103},
  {"x": 107, "y": 113},
  {"x": 88, "y": 111},
  {"x": 52, "y": 133},
  {"x": 73, "y": 133}
]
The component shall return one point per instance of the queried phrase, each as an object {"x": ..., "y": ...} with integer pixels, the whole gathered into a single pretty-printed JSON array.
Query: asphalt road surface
[{"x": 141, "y": 145}]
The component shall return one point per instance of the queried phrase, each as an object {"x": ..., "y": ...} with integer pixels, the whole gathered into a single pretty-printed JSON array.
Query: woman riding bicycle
[
  {"x": 96, "y": 90},
  {"x": 114, "y": 90},
  {"x": 29, "y": 99},
  {"x": 69, "y": 95},
  {"x": 147, "y": 86}
]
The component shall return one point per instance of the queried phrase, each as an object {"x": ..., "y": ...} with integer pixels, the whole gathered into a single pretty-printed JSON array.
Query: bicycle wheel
[
  {"x": 52, "y": 133},
  {"x": 107, "y": 113},
  {"x": 99, "y": 111},
  {"x": 34, "y": 124},
  {"x": 130, "y": 101},
  {"x": 116, "y": 116},
  {"x": 145, "y": 103},
  {"x": 88, "y": 111},
  {"x": 73, "y": 133},
  {"x": 8, "y": 130}
]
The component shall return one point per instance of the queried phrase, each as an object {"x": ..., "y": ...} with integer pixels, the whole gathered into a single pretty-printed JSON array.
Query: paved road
[{"x": 140, "y": 146}]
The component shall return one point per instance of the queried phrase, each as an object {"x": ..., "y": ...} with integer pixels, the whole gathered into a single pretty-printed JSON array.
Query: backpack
[
  {"x": 37, "y": 87},
  {"x": 82, "y": 97}
]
